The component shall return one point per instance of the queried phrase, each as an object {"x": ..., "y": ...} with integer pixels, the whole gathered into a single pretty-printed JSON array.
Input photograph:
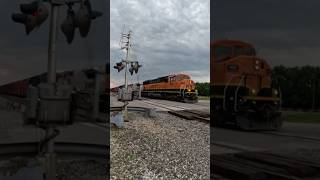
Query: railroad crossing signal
[
  {"x": 134, "y": 67},
  {"x": 68, "y": 25},
  {"x": 84, "y": 16},
  {"x": 33, "y": 15},
  {"x": 119, "y": 66}
]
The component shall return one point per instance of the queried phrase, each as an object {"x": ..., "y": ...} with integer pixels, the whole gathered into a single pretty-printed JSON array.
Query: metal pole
[
  {"x": 96, "y": 96},
  {"x": 52, "y": 44},
  {"x": 51, "y": 169},
  {"x": 50, "y": 157},
  {"x": 126, "y": 79}
]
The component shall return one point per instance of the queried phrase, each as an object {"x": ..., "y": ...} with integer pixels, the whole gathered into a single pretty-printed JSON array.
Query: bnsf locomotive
[
  {"x": 174, "y": 87},
  {"x": 241, "y": 86}
]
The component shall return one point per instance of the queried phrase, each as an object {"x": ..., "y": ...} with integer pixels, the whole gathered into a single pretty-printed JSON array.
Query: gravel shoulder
[{"x": 165, "y": 147}]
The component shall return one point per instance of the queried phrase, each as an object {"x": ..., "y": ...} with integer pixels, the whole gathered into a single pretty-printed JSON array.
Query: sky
[
  {"x": 169, "y": 37},
  {"x": 285, "y": 32},
  {"x": 23, "y": 56}
]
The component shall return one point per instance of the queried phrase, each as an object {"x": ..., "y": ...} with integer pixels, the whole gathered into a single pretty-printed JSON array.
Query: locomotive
[
  {"x": 177, "y": 87},
  {"x": 242, "y": 88}
]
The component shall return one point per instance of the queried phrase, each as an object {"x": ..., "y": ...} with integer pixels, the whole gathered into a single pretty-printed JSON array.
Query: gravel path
[{"x": 166, "y": 147}]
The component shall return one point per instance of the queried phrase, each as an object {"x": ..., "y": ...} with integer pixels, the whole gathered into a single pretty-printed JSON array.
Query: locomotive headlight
[
  {"x": 275, "y": 92},
  {"x": 257, "y": 67}
]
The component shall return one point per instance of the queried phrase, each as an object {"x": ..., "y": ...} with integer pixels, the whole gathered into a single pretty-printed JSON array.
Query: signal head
[
  {"x": 68, "y": 26},
  {"x": 33, "y": 14},
  {"x": 29, "y": 8},
  {"x": 42, "y": 13},
  {"x": 19, "y": 18},
  {"x": 29, "y": 21},
  {"x": 83, "y": 21}
]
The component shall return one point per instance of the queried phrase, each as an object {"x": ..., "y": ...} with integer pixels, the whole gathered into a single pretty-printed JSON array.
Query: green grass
[
  {"x": 301, "y": 117},
  {"x": 204, "y": 97}
]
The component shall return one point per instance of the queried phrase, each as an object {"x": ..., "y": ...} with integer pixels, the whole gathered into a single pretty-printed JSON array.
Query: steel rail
[{"x": 63, "y": 148}]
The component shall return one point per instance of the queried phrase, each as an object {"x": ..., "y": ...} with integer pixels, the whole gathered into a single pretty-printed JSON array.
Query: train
[
  {"x": 178, "y": 87},
  {"x": 243, "y": 93},
  {"x": 81, "y": 80}
]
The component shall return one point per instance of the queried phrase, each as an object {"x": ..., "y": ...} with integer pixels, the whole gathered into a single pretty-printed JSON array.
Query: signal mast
[{"x": 125, "y": 43}]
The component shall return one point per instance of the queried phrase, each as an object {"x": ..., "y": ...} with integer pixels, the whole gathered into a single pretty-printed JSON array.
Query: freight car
[
  {"x": 77, "y": 79},
  {"x": 173, "y": 87},
  {"x": 19, "y": 88},
  {"x": 242, "y": 88}
]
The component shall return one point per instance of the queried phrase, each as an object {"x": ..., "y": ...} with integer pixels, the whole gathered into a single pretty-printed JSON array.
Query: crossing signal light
[
  {"x": 131, "y": 69},
  {"x": 33, "y": 15},
  {"x": 68, "y": 26},
  {"x": 84, "y": 16},
  {"x": 119, "y": 66},
  {"x": 134, "y": 67}
]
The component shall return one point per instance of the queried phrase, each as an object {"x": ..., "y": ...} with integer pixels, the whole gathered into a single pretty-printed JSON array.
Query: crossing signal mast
[
  {"x": 125, "y": 44},
  {"x": 32, "y": 16}
]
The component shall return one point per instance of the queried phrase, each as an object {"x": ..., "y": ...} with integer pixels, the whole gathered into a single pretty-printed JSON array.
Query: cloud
[
  {"x": 168, "y": 37},
  {"x": 284, "y": 32}
]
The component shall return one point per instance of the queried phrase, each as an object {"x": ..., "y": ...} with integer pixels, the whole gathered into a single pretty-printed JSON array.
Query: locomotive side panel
[{"x": 175, "y": 87}]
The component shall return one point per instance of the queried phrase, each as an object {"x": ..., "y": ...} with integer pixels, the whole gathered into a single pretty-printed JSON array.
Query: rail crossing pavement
[
  {"x": 12, "y": 130},
  {"x": 162, "y": 105}
]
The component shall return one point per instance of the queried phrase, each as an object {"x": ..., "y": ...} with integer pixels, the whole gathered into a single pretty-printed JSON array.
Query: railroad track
[
  {"x": 316, "y": 139},
  {"x": 169, "y": 103},
  {"x": 280, "y": 134},
  {"x": 264, "y": 166},
  {"x": 185, "y": 113},
  {"x": 61, "y": 148},
  {"x": 231, "y": 148},
  {"x": 164, "y": 106}
]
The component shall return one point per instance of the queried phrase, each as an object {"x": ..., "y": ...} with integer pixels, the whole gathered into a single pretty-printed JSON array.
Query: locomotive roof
[
  {"x": 231, "y": 42},
  {"x": 163, "y": 77}
]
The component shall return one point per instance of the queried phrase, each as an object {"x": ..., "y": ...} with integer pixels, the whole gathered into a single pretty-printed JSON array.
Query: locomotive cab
[{"x": 241, "y": 83}]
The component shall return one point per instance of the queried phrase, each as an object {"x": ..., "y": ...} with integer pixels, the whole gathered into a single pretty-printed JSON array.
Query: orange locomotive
[
  {"x": 175, "y": 87},
  {"x": 242, "y": 87}
]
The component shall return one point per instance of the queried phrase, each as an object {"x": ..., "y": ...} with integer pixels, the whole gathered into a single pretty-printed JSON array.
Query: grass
[
  {"x": 301, "y": 117},
  {"x": 204, "y": 97}
]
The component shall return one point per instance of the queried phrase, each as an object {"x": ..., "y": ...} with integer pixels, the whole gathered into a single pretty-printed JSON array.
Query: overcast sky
[
  {"x": 22, "y": 56},
  {"x": 169, "y": 36},
  {"x": 285, "y": 32}
]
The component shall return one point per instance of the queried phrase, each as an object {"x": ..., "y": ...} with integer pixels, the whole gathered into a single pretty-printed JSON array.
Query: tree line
[
  {"x": 299, "y": 86},
  {"x": 203, "y": 88}
]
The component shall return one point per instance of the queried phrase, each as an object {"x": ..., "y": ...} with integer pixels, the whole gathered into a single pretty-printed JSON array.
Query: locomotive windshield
[
  {"x": 247, "y": 51},
  {"x": 222, "y": 52},
  {"x": 225, "y": 52}
]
